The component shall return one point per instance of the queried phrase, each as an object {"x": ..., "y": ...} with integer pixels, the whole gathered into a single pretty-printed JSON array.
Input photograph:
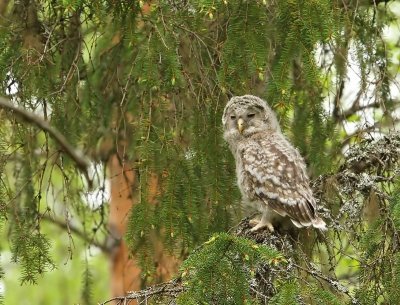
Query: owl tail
[
  {"x": 319, "y": 224},
  {"x": 316, "y": 223}
]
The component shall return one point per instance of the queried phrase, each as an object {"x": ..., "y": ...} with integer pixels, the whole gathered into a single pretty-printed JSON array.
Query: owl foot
[
  {"x": 253, "y": 222},
  {"x": 260, "y": 224}
]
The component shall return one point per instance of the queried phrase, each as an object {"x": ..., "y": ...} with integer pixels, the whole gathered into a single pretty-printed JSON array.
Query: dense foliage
[{"x": 147, "y": 82}]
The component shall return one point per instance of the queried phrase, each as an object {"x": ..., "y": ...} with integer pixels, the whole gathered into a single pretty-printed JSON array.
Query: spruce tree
[{"x": 130, "y": 94}]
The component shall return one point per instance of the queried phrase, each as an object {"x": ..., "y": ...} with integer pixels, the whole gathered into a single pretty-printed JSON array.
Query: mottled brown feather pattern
[{"x": 271, "y": 173}]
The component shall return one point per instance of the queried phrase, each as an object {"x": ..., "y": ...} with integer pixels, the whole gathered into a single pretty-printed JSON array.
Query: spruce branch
[
  {"x": 343, "y": 115},
  {"x": 71, "y": 229},
  {"x": 77, "y": 156},
  {"x": 357, "y": 107},
  {"x": 332, "y": 282},
  {"x": 368, "y": 166},
  {"x": 171, "y": 289},
  {"x": 359, "y": 133}
]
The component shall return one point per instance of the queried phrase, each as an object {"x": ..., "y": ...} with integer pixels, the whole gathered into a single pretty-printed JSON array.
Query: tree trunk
[{"x": 125, "y": 272}]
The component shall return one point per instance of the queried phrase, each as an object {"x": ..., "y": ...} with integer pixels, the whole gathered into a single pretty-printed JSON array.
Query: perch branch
[{"x": 172, "y": 288}]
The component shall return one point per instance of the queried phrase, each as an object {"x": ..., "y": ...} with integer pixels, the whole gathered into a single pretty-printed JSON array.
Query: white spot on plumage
[{"x": 270, "y": 170}]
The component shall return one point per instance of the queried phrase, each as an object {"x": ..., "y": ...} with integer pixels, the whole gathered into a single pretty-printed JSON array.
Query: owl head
[{"x": 247, "y": 115}]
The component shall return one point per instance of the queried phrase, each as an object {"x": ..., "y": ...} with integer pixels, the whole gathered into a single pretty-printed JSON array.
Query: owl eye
[
  {"x": 233, "y": 117},
  {"x": 251, "y": 115}
]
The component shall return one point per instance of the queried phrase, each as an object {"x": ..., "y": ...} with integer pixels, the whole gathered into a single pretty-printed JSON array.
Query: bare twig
[{"x": 74, "y": 230}]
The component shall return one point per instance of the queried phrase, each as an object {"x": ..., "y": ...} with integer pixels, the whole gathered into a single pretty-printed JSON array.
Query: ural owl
[{"x": 271, "y": 174}]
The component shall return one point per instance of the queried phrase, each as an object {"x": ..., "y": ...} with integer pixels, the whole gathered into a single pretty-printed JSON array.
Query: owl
[{"x": 271, "y": 174}]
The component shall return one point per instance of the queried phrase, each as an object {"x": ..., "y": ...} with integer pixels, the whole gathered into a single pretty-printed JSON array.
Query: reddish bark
[{"x": 125, "y": 272}]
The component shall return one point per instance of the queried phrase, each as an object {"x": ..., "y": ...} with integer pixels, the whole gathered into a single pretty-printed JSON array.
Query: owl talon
[
  {"x": 260, "y": 225},
  {"x": 254, "y": 222}
]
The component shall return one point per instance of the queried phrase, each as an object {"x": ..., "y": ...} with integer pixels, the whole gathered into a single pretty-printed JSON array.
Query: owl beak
[{"x": 240, "y": 125}]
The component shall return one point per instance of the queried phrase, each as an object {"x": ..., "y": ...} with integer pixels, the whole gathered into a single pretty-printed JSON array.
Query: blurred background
[{"x": 112, "y": 163}]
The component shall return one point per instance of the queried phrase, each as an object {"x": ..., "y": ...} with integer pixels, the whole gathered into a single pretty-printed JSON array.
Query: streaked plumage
[{"x": 270, "y": 171}]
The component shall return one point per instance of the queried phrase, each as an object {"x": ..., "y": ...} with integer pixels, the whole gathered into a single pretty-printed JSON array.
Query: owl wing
[{"x": 277, "y": 176}]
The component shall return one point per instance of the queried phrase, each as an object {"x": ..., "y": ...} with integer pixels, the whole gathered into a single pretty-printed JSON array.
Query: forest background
[{"x": 113, "y": 170}]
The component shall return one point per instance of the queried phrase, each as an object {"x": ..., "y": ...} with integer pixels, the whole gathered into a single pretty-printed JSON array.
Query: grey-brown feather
[{"x": 270, "y": 171}]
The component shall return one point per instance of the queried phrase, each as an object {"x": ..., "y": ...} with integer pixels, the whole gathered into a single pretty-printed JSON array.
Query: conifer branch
[
  {"x": 368, "y": 129},
  {"x": 80, "y": 160},
  {"x": 357, "y": 107},
  {"x": 332, "y": 282},
  {"x": 73, "y": 229},
  {"x": 340, "y": 116},
  {"x": 368, "y": 157},
  {"x": 171, "y": 288}
]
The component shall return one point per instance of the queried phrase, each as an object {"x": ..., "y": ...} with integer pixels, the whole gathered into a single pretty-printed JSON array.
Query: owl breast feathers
[{"x": 271, "y": 173}]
